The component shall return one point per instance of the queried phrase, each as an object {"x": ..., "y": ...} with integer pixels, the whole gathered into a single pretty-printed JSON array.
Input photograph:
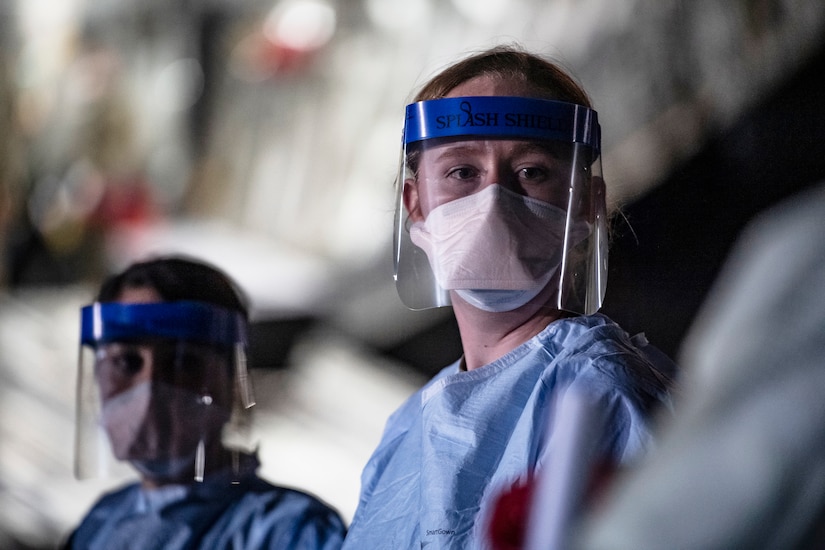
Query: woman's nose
[{"x": 503, "y": 175}]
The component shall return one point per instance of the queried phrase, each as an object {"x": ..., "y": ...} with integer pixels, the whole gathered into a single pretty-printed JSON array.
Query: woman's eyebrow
[
  {"x": 452, "y": 152},
  {"x": 519, "y": 147}
]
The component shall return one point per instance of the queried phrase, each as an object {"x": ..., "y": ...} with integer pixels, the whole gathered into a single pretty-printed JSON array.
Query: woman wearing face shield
[
  {"x": 163, "y": 386},
  {"x": 501, "y": 215}
]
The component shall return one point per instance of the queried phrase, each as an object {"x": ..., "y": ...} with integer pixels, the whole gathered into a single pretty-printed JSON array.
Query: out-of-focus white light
[
  {"x": 180, "y": 84},
  {"x": 394, "y": 15},
  {"x": 46, "y": 32},
  {"x": 301, "y": 24},
  {"x": 486, "y": 12},
  {"x": 40, "y": 17}
]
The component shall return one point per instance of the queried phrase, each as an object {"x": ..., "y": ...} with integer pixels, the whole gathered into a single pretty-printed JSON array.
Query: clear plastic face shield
[
  {"x": 501, "y": 203},
  {"x": 162, "y": 386}
]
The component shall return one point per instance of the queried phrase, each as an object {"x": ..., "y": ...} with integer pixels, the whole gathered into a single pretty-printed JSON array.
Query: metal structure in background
[{"x": 263, "y": 136}]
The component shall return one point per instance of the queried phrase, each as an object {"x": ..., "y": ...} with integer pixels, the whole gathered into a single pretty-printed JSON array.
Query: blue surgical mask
[{"x": 498, "y": 300}]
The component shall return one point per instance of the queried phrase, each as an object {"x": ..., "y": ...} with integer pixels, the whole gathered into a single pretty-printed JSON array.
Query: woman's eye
[
  {"x": 462, "y": 173},
  {"x": 128, "y": 363},
  {"x": 533, "y": 173}
]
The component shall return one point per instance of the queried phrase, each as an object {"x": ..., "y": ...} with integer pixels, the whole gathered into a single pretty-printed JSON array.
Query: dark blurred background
[{"x": 670, "y": 243}]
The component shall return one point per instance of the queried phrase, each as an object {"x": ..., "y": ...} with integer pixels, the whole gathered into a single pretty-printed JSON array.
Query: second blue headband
[{"x": 192, "y": 321}]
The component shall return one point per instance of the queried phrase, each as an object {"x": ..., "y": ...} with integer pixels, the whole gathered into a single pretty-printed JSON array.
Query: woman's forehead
[
  {"x": 491, "y": 85},
  {"x": 448, "y": 149},
  {"x": 139, "y": 295}
]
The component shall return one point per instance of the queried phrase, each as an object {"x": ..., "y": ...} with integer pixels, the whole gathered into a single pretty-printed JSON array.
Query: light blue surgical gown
[
  {"x": 449, "y": 450},
  {"x": 216, "y": 514}
]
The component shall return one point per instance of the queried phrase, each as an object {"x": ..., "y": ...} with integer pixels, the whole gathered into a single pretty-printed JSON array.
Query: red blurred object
[
  {"x": 508, "y": 526},
  {"x": 509, "y": 522},
  {"x": 127, "y": 201},
  {"x": 277, "y": 57}
]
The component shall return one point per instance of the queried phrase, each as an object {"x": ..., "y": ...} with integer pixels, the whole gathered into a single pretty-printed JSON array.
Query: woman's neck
[{"x": 487, "y": 336}]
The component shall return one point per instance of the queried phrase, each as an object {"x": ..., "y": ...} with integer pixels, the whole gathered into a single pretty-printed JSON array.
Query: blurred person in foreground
[
  {"x": 501, "y": 215},
  {"x": 742, "y": 463},
  {"x": 163, "y": 384}
]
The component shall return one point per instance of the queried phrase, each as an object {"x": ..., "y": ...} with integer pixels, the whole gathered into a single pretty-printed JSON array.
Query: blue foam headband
[
  {"x": 501, "y": 116},
  {"x": 184, "y": 320}
]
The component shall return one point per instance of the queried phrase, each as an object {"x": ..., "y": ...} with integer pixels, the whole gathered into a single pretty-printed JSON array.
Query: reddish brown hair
[{"x": 509, "y": 62}]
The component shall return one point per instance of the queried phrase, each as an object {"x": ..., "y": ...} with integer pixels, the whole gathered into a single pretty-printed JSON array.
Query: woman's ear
[{"x": 412, "y": 201}]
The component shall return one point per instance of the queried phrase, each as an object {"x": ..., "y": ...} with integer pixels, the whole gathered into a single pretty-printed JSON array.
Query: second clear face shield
[
  {"x": 501, "y": 203},
  {"x": 160, "y": 386}
]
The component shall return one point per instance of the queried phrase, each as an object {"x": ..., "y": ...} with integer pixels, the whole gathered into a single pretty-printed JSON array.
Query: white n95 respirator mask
[{"x": 497, "y": 249}]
